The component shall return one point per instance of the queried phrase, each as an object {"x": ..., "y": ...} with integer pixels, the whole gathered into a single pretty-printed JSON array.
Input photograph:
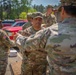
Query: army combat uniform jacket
[
  {"x": 26, "y": 25},
  {"x": 5, "y": 44}
]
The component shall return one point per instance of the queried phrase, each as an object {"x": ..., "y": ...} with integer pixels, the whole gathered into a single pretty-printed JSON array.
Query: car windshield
[
  {"x": 14, "y": 24},
  {"x": 18, "y": 24}
]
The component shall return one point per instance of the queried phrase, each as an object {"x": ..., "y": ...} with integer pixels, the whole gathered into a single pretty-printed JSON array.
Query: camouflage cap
[
  {"x": 29, "y": 15},
  {"x": 37, "y": 14},
  {"x": 68, "y": 2}
]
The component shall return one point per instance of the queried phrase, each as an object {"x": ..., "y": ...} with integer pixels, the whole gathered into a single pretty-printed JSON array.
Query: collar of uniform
[{"x": 69, "y": 19}]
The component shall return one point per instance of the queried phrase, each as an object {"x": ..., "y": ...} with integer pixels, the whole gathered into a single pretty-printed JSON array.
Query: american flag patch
[{"x": 4, "y": 37}]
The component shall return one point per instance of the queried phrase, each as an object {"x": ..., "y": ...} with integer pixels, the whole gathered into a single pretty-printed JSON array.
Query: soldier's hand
[
  {"x": 43, "y": 25},
  {"x": 17, "y": 35}
]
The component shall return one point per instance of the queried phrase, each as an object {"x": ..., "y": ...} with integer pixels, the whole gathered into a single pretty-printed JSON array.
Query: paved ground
[
  {"x": 8, "y": 71},
  {"x": 10, "y": 61}
]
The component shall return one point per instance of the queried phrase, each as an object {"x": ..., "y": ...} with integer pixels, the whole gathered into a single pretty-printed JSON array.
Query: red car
[{"x": 11, "y": 31}]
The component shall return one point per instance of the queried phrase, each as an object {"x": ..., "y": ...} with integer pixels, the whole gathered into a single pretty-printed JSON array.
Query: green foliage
[
  {"x": 31, "y": 10},
  {"x": 5, "y": 15},
  {"x": 16, "y": 9},
  {"x": 39, "y": 8},
  {"x": 23, "y": 15}
]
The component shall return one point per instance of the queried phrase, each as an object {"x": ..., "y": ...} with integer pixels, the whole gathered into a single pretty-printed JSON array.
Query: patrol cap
[
  {"x": 49, "y": 6},
  {"x": 37, "y": 14},
  {"x": 29, "y": 15}
]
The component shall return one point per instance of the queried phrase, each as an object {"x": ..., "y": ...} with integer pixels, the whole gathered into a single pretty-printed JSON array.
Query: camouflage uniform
[
  {"x": 61, "y": 49},
  {"x": 32, "y": 60},
  {"x": 28, "y": 24},
  {"x": 5, "y": 44},
  {"x": 28, "y": 66},
  {"x": 49, "y": 20}
]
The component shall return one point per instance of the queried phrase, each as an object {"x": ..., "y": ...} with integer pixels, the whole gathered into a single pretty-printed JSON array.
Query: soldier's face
[
  {"x": 31, "y": 20},
  {"x": 36, "y": 22},
  {"x": 49, "y": 10}
]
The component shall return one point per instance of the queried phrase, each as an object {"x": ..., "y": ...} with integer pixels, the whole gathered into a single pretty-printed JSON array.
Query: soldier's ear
[{"x": 62, "y": 11}]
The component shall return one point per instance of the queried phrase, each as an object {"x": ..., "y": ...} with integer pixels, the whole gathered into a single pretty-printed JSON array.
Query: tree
[
  {"x": 23, "y": 15},
  {"x": 25, "y": 4},
  {"x": 13, "y": 8},
  {"x": 31, "y": 10},
  {"x": 39, "y": 8}
]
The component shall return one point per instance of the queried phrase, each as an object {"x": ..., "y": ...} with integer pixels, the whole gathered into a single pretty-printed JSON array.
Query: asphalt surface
[{"x": 10, "y": 61}]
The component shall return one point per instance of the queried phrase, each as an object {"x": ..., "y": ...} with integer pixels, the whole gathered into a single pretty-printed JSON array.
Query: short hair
[
  {"x": 71, "y": 10},
  {"x": 69, "y": 6}
]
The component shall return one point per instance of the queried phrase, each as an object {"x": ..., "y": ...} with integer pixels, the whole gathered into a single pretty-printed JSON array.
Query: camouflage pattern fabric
[
  {"x": 34, "y": 63},
  {"x": 5, "y": 44},
  {"x": 49, "y": 20},
  {"x": 59, "y": 41},
  {"x": 28, "y": 66},
  {"x": 26, "y": 25},
  {"x": 31, "y": 65},
  {"x": 29, "y": 31},
  {"x": 25, "y": 34},
  {"x": 61, "y": 49}
]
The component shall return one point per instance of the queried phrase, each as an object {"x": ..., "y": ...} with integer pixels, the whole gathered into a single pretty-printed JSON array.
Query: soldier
[
  {"x": 59, "y": 41},
  {"x": 48, "y": 17},
  {"x": 36, "y": 24},
  {"x": 5, "y": 44},
  {"x": 27, "y": 67},
  {"x": 28, "y": 24}
]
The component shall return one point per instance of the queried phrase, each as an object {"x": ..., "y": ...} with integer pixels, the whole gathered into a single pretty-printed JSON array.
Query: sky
[{"x": 45, "y": 2}]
